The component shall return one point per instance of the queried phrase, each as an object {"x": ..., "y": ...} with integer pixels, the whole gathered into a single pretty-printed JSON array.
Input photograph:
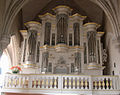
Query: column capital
[
  {"x": 91, "y": 26},
  {"x": 33, "y": 25},
  {"x": 62, "y": 10}
]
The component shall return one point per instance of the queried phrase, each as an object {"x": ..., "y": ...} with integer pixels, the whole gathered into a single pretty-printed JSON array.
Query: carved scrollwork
[{"x": 104, "y": 55}]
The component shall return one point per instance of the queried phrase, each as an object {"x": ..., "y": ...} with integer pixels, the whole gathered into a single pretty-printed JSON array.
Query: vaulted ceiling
[{"x": 84, "y": 7}]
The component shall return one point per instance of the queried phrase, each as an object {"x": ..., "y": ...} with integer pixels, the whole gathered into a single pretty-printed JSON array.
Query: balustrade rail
[{"x": 61, "y": 82}]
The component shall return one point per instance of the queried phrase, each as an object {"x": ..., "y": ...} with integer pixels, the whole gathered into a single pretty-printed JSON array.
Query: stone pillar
[
  {"x": 62, "y": 13},
  {"x": 33, "y": 29},
  {"x": 4, "y": 41},
  {"x": 91, "y": 37}
]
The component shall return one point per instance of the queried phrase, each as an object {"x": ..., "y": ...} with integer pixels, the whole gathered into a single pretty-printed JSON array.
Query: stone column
[
  {"x": 33, "y": 29},
  {"x": 91, "y": 37},
  {"x": 4, "y": 41}
]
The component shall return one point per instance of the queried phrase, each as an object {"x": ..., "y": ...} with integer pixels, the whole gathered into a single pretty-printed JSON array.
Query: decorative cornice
[
  {"x": 62, "y": 6},
  {"x": 76, "y": 14},
  {"x": 70, "y": 47},
  {"x": 49, "y": 14},
  {"x": 32, "y": 22},
  {"x": 92, "y": 23}
]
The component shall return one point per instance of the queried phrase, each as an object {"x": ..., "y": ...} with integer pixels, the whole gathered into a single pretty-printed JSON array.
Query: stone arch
[
  {"x": 9, "y": 16},
  {"x": 108, "y": 7}
]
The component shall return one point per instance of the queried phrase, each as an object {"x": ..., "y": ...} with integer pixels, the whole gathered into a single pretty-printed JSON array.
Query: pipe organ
[{"x": 62, "y": 44}]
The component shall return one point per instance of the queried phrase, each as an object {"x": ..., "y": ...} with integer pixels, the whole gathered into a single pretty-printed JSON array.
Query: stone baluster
[
  {"x": 73, "y": 82},
  {"x": 19, "y": 84},
  {"x": 13, "y": 82},
  {"x": 86, "y": 83},
  {"x": 99, "y": 83},
  {"x": 34, "y": 83},
  {"x": 111, "y": 83},
  {"x": 51, "y": 82},
  {"x": 65, "y": 82},
  {"x": 10, "y": 82},
  {"x": 47, "y": 82},
  {"x": 22, "y": 82},
  {"x": 43, "y": 82},
  {"x": 24, "y": 86},
  {"x": 26, "y": 82},
  {"x": 39, "y": 82},
  {"x": 78, "y": 82},
  {"x": 55, "y": 82},
  {"x": 70, "y": 82},
  {"x": 82, "y": 83},
  {"x": 107, "y": 83},
  {"x": 29, "y": 82},
  {"x": 103, "y": 83},
  {"x": 95, "y": 84}
]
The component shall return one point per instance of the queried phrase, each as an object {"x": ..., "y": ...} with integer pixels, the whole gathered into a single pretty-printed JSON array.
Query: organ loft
[{"x": 62, "y": 44}]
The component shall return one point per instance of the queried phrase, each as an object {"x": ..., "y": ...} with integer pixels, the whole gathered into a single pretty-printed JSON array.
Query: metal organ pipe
[
  {"x": 92, "y": 46},
  {"x": 62, "y": 28}
]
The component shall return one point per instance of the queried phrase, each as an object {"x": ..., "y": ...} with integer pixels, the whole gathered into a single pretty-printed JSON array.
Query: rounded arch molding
[{"x": 105, "y": 5}]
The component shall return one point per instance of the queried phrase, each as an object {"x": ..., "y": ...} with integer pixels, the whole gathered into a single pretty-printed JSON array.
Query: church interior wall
[{"x": 112, "y": 50}]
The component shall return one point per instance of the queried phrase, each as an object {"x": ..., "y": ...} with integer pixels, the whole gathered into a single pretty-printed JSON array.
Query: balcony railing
[{"x": 53, "y": 83}]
